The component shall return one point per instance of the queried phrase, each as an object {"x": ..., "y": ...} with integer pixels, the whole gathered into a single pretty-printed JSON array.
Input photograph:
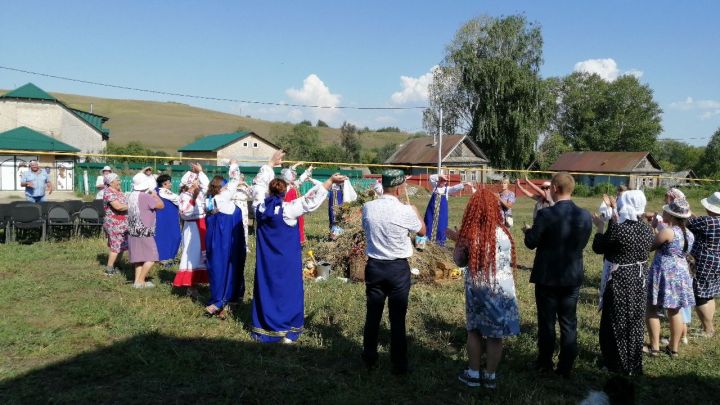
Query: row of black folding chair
[
  {"x": 76, "y": 215},
  {"x": 22, "y": 215}
]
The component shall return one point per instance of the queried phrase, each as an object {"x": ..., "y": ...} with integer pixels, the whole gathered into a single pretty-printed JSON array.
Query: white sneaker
[
  {"x": 147, "y": 284},
  {"x": 684, "y": 340},
  {"x": 287, "y": 341},
  {"x": 664, "y": 342}
]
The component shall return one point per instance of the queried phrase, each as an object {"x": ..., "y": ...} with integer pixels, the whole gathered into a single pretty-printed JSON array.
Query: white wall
[
  {"x": 237, "y": 150},
  {"x": 53, "y": 120}
]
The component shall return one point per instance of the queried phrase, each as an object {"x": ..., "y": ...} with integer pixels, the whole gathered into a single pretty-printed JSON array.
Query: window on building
[
  {"x": 245, "y": 144},
  {"x": 255, "y": 144}
]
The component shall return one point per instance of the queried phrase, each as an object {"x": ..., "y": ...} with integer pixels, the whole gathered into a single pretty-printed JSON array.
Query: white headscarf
[{"x": 631, "y": 205}]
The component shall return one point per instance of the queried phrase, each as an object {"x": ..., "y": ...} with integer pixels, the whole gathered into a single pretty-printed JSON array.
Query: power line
[{"x": 167, "y": 93}]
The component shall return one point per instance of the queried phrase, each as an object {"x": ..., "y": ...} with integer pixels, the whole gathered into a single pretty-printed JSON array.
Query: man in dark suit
[{"x": 560, "y": 233}]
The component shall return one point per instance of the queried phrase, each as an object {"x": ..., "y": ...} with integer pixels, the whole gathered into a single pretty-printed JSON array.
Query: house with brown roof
[
  {"x": 459, "y": 154},
  {"x": 637, "y": 170}
]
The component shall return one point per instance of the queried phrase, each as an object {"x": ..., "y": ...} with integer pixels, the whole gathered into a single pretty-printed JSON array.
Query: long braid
[{"x": 477, "y": 232}]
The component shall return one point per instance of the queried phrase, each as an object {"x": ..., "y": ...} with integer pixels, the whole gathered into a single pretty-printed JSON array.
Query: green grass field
[
  {"x": 167, "y": 126},
  {"x": 69, "y": 334}
]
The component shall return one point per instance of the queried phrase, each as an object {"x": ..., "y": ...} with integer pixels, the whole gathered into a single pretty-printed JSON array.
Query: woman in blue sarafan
[
  {"x": 278, "y": 299},
  {"x": 335, "y": 198},
  {"x": 224, "y": 243},
  {"x": 167, "y": 223},
  {"x": 436, "y": 213}
]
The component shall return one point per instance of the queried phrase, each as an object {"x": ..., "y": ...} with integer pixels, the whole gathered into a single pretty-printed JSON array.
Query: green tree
[
  {"x": 709, "y": 165},
  {"x": 132, "y": 149},
  {"x": 350, "y": 141},
  {"x": 676, "y": 156},
  {"x": 550, "y": 150},
  {"x": 321, "y": 124},
  {"x": 301, "y": 143},
  {"x": 306, "y": 122},
  {"x": 594, "y": 114},
  {"x": 489, "y": 86}
]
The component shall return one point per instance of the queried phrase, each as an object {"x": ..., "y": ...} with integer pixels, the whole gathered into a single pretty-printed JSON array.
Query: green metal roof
[
  {"x": 212, "y": 143},
  {"x": 94, "y": 120},
  {"x": 24, "y": 138},
  {"x": 33, "y": 92},
  {"x": 30, "y": 91}
]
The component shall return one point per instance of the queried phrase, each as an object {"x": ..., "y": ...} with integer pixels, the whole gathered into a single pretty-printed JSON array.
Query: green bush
[
  {"x": 582, "y": 190},
  {"x": 604, "y": 188}
]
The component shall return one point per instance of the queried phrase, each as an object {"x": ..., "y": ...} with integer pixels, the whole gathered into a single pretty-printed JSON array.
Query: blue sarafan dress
[
  {"x": 335, "y": 197},
  {"x": 167, "y": 229},
  {"x": 225, "y": 250},
  {"x": 278, "y": 301},
  {"x": 436, "y": 217}
]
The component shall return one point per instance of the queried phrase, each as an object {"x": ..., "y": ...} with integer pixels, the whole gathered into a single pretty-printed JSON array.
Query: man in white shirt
[{"x": 387, "y": 222}]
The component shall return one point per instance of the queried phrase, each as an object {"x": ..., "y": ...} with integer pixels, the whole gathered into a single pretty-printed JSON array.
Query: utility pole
[{"x": 439, "y": 162}]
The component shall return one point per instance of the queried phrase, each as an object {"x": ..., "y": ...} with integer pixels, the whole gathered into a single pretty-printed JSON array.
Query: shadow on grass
[{"x": 158, "y": 368}]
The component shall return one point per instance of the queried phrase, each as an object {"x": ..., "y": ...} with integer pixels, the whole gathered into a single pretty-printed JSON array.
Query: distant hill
[{"x": 169, "y": 125}]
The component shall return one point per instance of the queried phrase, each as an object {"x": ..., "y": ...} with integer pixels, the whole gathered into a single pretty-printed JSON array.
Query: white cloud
[
  {"x": 315, "y": 92},
  {"x": 607, "y": 69},
  {"x": 414, "y": 89},
  {"x": 707, "y": 108}
]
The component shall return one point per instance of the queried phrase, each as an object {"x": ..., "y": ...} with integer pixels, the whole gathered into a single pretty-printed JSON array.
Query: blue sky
[{"x": 366, "y": 53}]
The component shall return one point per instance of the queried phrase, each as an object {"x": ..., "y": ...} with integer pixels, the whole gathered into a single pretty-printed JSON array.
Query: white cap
[{"x": 106, "y": 169}]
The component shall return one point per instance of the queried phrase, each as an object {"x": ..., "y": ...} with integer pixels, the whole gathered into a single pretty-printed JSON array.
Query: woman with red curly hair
[{"x": 485, "y": 246}]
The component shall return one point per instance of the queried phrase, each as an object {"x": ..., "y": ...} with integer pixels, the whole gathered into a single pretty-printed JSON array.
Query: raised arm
[
  {"x": 313, "y": 199},
  {"x": 519, "y": 186},
  {"x": 534, "y": 187}
]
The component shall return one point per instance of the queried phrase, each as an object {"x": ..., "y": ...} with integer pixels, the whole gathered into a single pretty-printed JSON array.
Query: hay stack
[{"x": 347, "y": 251}]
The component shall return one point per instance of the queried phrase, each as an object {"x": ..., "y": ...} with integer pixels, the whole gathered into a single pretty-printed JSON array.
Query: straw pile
[{"x": 346, "y": 252}]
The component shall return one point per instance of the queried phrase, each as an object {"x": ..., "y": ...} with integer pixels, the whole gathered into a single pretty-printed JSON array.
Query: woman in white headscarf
[{"x": 625, "y": 245}]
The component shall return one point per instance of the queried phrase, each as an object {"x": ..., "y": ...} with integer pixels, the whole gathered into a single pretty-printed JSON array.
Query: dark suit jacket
[{"x": 560, "y": 233}]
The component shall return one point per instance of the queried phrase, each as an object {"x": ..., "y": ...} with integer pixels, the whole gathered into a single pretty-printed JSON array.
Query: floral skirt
[{"x": 492, "y": 310}]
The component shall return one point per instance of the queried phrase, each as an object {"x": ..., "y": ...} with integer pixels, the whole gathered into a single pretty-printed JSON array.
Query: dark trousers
[
  {"x": 557, "y": 303},
  {"x": 386, "y": 279}
]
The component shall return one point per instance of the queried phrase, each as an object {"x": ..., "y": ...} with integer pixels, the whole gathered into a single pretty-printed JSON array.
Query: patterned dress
[
  {"x": 491, "y": 307},
  {"x": 706, "y": 251},
  {"x": 622, "y": 325},
  {"x": 669, "y": 281},
  {"x": 115, "y": 223}
]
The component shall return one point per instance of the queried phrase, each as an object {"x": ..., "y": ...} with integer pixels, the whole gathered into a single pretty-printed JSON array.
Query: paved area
[{"x": 9, "y": 196}]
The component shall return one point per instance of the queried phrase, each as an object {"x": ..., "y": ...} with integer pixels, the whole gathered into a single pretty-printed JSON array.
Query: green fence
[{"x": 127, "y": 171}]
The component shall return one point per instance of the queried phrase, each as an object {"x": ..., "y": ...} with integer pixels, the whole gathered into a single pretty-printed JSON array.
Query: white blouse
[
  {"x": 434, "y": 179},
  {"x": 292, "y": 210}
]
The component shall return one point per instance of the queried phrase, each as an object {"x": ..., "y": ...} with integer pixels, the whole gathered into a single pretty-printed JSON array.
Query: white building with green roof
[
  {"x": 246, "y": 146},
  {"x": 33, "y": 125}
]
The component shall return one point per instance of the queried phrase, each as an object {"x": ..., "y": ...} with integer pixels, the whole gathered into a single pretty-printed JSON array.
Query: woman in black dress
[{"x": 626, "y": 245}]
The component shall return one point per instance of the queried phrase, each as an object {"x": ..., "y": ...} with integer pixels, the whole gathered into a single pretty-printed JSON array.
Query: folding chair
[
  {"x": 26, "y": 216},
  {"x": 58, "y": 216},
  {"x": 5, "y": 220},
  {"x": 88, "y": 217},
  {"x": 73, "y": 206}
]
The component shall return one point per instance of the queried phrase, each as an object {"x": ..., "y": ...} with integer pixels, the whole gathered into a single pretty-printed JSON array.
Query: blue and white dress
[
  {"x": 278, "y": 297},
  {"x": 669, "y": 283},
  {"x": 167, "y": 227},
  {"x": 436, "y": 213},
  {"x": 225, "y": 247},
  {"x": 491, "y": 306}
]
